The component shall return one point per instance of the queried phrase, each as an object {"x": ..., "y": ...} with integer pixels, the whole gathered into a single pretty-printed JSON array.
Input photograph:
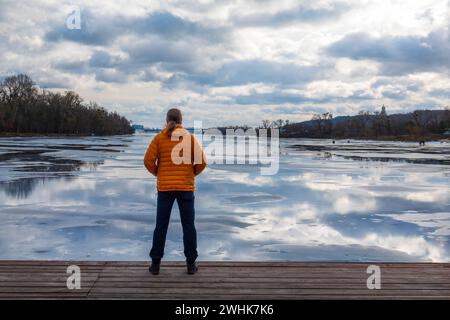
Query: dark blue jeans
[{"x": 185, "y": 200}]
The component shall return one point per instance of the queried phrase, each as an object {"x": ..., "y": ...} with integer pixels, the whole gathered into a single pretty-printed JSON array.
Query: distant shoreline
[
  {"x": 53, "y": 135},
  {"x": 27, "y": 110},
  {"x": 75, "y": 135},
  {"x": 393, "y": 139}
]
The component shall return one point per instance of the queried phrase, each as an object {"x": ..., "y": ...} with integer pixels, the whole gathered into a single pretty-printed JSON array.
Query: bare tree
[
  {"x": 265, "y": 124},
  {"x": 278, "y": 123}
]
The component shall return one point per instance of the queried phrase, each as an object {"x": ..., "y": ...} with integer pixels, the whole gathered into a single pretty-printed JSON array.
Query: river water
[{"x": 91, "y": 198}]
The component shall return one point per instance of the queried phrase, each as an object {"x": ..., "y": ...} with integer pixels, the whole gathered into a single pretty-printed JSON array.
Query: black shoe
[
  {"x": 191, "y": 268},
  {"x": 154, "y": 268}
]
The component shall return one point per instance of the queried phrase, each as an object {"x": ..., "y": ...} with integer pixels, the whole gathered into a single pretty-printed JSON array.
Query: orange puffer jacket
[{"x": 175, "y": 160}]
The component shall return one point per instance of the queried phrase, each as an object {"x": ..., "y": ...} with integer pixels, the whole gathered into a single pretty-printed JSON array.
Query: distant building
[
  {"x": 383, "y": 111},
  {"x": 137, "y": 127}
]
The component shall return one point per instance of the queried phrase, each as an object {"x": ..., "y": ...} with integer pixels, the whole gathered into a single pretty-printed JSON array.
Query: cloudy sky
[{"x": 234, "y": 62}]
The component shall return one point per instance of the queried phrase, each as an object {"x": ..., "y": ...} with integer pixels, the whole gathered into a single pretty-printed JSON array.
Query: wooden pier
[{"x": 223, "y": 280}]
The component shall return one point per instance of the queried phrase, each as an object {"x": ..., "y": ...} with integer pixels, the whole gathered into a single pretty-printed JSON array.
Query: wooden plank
[
  {"x": 288, "y": 264},
  {"x": 42, "y": 289},
  {"x": 217, "y": 297},
  {"x": 195, "y": 280},
  {"x": 265, "y": 297},
  {"x": 201, "y": 275},
  {"x": 275, "y": 267},
  {"x": 50, "y": 283},
  {"x": 30, "y": 263},
  {"x": 256, "y": 291},
  {"x": 270, "y": 272},
  {"x": 360, "y": 275},
  {"x": 261, "y": 285},
  {"x": 237, "y": 281}
]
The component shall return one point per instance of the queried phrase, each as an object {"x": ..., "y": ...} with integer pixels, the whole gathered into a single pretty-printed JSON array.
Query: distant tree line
[
  {"x": 420, "y": 124},
  {"x": 277, "y": 124},
  {"x": 26, "y": 109}
]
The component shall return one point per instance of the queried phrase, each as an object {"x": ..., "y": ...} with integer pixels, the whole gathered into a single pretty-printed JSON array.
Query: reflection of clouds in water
[
  {"x": 335, "y": 181},
  {"x": 313, "y": 209},
  {"x": 346, "y": 204},
  {"x": 439, "y": 221},
  {"x": 43, "y": 236},
  {"x": 128, "y": 226},
  {"x": 415, "y": 246},
  {"x": 429, "y": 196},
  {"x": 410, "y": 186},
  {"x": 30, "y": 240},
  {"x": 332, "y": 189},
  {"x": 124, "y": 248},
  {"x": 245, "y": 178},
  {"x": 285, "y": 225},
  {"x": 321, "y": 182}
]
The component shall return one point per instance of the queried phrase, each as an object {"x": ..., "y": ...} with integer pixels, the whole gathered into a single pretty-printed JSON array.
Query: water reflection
[
  {"x": 23, "y": 187},
  {"x": 41, "y": 164},
  {"x": 91, "y": 198}
]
